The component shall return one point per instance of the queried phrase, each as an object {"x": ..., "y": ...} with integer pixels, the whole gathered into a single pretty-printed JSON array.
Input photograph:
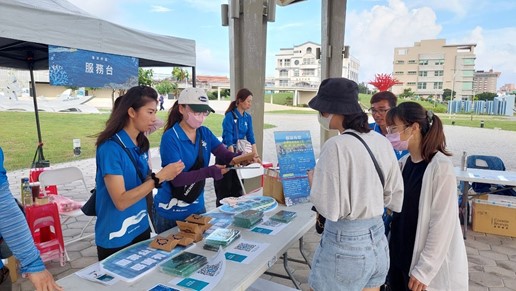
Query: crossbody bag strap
[
  {"x": 235, "y": 121},
  {"x": 148, "y": 197},
  {"x": 378, "y": 169}
]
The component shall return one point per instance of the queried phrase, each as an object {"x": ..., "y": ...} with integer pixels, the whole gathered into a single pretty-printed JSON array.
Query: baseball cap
[{"x": 196, "y": 99}]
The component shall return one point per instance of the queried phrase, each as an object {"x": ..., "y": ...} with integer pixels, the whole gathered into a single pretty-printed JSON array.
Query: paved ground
[{"x": 492, "y": 259}]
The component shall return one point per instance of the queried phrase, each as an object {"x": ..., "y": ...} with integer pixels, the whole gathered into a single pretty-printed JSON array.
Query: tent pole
[
  {"x": 39, "y": 151},
  {"x": 193, "y": 77}
]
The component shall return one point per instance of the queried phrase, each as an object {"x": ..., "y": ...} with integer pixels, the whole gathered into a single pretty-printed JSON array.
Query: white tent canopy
[{"x": 29, "y": 26}]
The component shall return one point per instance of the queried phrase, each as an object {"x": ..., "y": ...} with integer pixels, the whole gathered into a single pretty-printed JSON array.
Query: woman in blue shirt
[
  {"x": 185, "y": 139},
  {"x": 121, "y": 204},
  {"x": 237, "y": 125}
]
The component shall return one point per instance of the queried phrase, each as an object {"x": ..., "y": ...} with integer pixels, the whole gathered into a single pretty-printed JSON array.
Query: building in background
[
  {"x": 485, "y": 81},
  {"x": 508, "y": 89},
  {"x": 299, "y": 66},
  {"x": 430, "y": 66}
]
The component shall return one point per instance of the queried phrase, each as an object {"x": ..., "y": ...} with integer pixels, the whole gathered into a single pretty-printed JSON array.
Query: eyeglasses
[
  {"x": 378, "y": 111},
  {"x": 199, "y": 113},
  {"x": 202, "y": 113},
  {"x": 394, "y": 128}
]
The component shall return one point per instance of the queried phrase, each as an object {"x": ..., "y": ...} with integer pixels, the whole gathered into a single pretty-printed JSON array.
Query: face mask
[
  {"x": 194, "y": 121},
  {"x": 324, "y": 121},
  {"x": 397, "y": 143}
]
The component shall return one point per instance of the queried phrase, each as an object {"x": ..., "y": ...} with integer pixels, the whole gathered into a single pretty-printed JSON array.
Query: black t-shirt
[{"x": 404, "y": 224}]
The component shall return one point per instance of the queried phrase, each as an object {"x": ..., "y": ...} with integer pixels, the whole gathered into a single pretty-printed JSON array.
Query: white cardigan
[{"x": 439, "y": 259}]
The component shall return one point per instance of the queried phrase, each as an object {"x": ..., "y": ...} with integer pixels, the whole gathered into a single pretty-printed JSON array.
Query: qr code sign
[
  {"x": 210, "y": 270},
  {"x": 247, "y": 247}
]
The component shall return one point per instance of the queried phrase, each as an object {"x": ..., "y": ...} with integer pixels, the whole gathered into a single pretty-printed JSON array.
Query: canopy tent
[{"x": 27, "y": 27}]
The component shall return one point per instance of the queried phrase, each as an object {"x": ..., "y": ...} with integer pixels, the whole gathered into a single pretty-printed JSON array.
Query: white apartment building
[
  {"x": 299, "y": 67},
  {"x": 430, "y": 66}
]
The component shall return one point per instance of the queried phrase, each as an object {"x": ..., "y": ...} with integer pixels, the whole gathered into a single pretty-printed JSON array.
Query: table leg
[{"x": 464, "y": 207}]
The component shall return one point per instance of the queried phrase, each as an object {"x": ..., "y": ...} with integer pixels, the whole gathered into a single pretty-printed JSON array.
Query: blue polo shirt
[
  {"x": 376, "y": 127},
  {"x": 175, "y": 145},
  {"x": 3, "y": 172},
  {"x": 115, "y": 228},
  {"x": 229, "y": 128}
]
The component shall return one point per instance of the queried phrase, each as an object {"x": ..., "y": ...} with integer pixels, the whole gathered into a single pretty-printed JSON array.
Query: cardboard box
[
  {"x": 495, "y": 214},
  {"x": 272, "y": 185}
]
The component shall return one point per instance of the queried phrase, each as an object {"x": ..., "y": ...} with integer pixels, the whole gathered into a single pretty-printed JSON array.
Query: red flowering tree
[{"x": 384, "y": 82}]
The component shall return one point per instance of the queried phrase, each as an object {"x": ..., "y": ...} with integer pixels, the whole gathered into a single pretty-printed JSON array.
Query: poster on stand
[{"x": 295, "y": 157}]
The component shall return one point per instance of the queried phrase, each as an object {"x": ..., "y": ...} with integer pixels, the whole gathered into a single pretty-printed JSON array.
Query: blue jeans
[{"x": 352, "y": 255}]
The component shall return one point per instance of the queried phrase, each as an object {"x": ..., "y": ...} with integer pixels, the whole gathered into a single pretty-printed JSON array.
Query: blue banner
[
  {"x": 295, "y": 157},
  {"x": 82, "y": 68}
]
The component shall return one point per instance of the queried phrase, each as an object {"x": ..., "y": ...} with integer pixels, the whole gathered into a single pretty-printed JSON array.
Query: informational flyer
[
  {"x": 269, "y": 227},
  {"x": 207, "y": 277},
  {"x": 245, "y": 251},
  {"x": 136, "y": 261},
  {"x": 295, "y": 157},
  {"x": 95, "y": 274}
]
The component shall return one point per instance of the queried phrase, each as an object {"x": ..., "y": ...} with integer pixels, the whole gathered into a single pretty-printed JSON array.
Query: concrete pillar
[
  {"x": 218, "y": 93},
  {"x": 333, "y": 16},
  {"x": 248, "y": 38}
]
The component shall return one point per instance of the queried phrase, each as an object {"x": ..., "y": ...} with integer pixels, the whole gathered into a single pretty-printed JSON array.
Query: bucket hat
[{"x": 337, "y": 96}]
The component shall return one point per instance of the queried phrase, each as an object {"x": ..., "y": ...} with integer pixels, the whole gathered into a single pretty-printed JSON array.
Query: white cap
[{"x": 196, "y": 99}]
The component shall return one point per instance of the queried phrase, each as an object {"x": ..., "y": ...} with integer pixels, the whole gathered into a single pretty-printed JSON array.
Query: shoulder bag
[{"x": 190, "y": 193}]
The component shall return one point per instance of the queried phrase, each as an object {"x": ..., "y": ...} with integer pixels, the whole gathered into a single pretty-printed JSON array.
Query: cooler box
[
  {"x": 495, "y": 214},
  {"x": 34, "y": 177}
]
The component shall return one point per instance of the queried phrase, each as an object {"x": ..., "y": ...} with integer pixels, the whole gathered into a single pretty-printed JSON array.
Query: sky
[{"x": 373, "y": 28}]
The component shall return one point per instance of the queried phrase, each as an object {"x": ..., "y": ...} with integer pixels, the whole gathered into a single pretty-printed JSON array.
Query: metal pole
[
  {"x": 39, "y": 150},
  {"x": 193, "y": 77},
  {"x": 332, "y": 44}
]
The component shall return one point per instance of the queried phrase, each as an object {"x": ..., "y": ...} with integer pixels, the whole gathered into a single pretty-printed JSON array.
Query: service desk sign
[
  {"x": 82, "y": 68},
  {"x": 295, "y": 157}
]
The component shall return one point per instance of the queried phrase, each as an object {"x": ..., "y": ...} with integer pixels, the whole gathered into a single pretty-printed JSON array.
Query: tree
[
  {"x": 180, "y": 74},
  {"x": 145, "y": 77},
  {"x": 447, "y": 93},
  {"x": 486, "y": 96},
  {"x": 362, "y": 88},
  {"x": 407, "y": 93},
  {"x": 164, "y": 87}
]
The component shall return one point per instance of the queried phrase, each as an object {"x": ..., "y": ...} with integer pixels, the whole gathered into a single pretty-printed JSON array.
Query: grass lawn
[{"x": 19, "y": 136}]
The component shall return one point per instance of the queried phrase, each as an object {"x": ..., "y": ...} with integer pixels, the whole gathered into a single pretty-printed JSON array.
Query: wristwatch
[{"x": 157, "y": 184}]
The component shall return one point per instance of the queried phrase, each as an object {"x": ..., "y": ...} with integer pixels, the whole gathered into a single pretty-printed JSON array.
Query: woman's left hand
[{"x": 415, "y": 285}]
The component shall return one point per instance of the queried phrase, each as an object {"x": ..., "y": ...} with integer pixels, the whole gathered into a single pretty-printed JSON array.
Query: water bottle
[
  {"x": 463, "y": 165},
  {"x": 26, "y": 192}
]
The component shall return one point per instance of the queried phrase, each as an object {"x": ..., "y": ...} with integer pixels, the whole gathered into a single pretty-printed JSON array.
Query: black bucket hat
[{"x": 337, "y": 96}]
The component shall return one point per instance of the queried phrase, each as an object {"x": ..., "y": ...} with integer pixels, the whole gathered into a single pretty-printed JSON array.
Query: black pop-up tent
[{"x": 27, "y": 27}]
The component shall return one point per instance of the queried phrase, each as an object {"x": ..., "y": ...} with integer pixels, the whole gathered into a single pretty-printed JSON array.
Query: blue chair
[{"x": 489, "y": 163}]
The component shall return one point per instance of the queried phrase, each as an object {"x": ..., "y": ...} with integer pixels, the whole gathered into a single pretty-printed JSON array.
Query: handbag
[
  {"x": 242, "y": 145},
  {"x": 190, "y": 193},
  {"x": 89, "y": 208},
  {"x": 320, "y": 220}
]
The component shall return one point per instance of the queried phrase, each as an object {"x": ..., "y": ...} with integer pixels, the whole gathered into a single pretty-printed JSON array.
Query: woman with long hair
[
  {"x": 237, "y": 130},
  {"x": 122, "y": 180},
  {"x": 426, "y": 245},
  {"x": 353, "y": 253},
  {"x": 185, "y": 139}
]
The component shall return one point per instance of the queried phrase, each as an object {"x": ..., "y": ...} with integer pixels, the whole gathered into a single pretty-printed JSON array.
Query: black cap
[{"x": 337, "y": 96}]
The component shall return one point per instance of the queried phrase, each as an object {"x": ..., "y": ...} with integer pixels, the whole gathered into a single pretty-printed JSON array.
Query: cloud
[
  {"x": 206, "y": 5},
  {"x": 211, "y": 63},
  {"x": 287, "y": 26},
  {"x": 495, "y": 50},
  {"x": 160, "y": 9},
  {"x": 373, "y": 34},
  {"x": 458, "y": 7}
]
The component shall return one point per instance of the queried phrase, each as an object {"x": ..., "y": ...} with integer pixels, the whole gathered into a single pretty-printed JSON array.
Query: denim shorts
[{"x": 352, "y": 255}]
